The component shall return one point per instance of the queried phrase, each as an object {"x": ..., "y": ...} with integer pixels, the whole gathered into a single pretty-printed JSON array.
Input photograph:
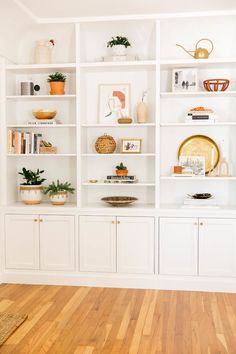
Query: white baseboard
[{"x": 122, "y": 281}]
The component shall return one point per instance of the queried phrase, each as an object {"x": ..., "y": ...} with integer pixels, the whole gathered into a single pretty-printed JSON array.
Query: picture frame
[
  {"x": 184, "y": 79},
  {"x": 131, "y": 146},
  {"x": 113, "y": 102},
  {"x": 194, "y": 163}
]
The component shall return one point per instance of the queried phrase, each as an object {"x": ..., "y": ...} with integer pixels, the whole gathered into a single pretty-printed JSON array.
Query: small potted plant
[
  {"x": 57, "y": 83},
  {"x": 31, "y": 189},
  {"x": 119, "y": 45},
  {"x": 121, "y": 170},
  {"x": 58, "y": 192}
]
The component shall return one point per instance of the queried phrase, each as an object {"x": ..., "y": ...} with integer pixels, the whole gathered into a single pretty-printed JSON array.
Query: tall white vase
[{"x": 42, "y": 53}]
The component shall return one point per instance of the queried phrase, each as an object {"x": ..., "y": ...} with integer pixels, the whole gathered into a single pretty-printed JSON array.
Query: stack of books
[
  {"x": 44, "y": 122},
  {"x": 200, "y": 115},
  {"x": 122, "y": 179},
  {"x": 191, "y": 202},
  {"x": 23, "y": 142}
]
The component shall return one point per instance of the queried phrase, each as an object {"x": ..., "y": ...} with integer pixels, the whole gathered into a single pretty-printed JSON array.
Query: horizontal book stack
[
  {"x": 23, "y": 142},
  {"x": 204, "y": 115},
  {"x": 121, "y": 179},
  {"x": 191, "y": 202}
]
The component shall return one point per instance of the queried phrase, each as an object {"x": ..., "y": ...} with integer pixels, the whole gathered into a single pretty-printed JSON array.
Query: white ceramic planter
[
  {"x": 31, "y": 194},
  {"x": 59, "y": 199},
  {"x": 119, "y": 50}
]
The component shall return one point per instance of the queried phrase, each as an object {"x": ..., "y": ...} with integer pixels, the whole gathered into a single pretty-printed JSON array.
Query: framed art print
[
  {"x": 131, "y": 146},
  {"x": 184, "y": 79}
]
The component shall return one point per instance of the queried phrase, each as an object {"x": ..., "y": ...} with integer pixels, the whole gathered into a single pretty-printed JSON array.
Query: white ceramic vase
[
  {"x": 31, "y": 194},
  {"x": 42, "y": 53},
  {"x": 142, "y": 112},
  {"x": 119, "y": 49},
  {"x": 59, "y": 199}
]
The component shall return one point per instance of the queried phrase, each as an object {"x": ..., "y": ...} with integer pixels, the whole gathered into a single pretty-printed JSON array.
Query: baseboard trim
[{"x": 122, "y": 281}]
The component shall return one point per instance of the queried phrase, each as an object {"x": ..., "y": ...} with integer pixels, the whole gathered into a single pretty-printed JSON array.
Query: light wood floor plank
[{"x": 83, "y": 320}]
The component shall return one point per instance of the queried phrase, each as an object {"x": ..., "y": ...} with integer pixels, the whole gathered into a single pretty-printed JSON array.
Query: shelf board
[
  {"x": 41, "y": 68},
  {"x": 41, "y": 155},
  {"x": 38, "y": 97},
  {"x": 118, "y": 64},
  {"x": 132, "y": 125},
  {"x": 41, "y": 126},
  {"x": 206, "y": 178},
  {"x": 198, "y": 94},
  {"x": 140, "y": 184},
  {"x": 196, "y": 63},
  {"x": 217, "y": 124},
  {"x": 119, "y": 154}
]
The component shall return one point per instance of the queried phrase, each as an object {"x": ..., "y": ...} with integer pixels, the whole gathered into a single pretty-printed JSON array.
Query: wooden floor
[{"x": 68, "y": 320}]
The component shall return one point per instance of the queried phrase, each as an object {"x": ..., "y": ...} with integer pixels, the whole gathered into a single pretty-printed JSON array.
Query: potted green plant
[
  {"x": 121, "y": 170},
  {"x": 57, "y": 83},
  {"x": 119, "y": 45},
  {"x": 58, "y": 192},
  {"x": 31, "y": 188}
]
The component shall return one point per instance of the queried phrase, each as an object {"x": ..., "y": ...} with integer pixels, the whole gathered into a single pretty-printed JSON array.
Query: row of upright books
[{"x": 23, "y": 142}]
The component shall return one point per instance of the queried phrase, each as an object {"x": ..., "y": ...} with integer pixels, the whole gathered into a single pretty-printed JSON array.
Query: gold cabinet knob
[
  {"x": 201, "y": 223},
  {"x": 195, "y": 224},
  {"x": 40, "y": 220},
  {"x": 35, "y": 220},
  {"x": 113, "y": 222},
  {"x": 118, "y": 222}
]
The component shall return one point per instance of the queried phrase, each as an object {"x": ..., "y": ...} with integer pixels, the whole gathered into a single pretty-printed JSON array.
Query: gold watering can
[{"x": 199, "y": 53}]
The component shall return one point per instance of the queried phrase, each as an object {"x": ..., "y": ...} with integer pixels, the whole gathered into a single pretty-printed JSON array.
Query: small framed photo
[
  {"x": 131, "y": 146},
  {"x": 196, "y": 164},
  {"x": 114, "y": 102},
  {"x": 184, "y": 79}
]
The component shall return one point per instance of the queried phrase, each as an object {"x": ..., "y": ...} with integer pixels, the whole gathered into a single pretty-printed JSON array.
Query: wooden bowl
[
  {"x": 44, "y": 114},
  {"x": 119, "y": 201},
  {"x": 216, "y": 84}
]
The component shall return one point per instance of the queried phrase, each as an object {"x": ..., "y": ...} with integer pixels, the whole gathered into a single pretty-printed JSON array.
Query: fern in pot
[
  {"x": 119, "y": 45},
  {"x": 58, "y": 192},
  {"x": 31, "y": 188}
]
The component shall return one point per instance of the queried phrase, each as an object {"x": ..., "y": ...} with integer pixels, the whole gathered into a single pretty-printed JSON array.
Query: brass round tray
[
  {"x": 119, "y": 201},
  {"x": 200, "y": 145}
]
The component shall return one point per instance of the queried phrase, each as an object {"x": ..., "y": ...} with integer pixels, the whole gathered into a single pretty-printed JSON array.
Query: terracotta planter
[
  {"x": 59, "y": 199},
  {"x": 122, "y": 173},
  {"x": 31, "y": 195},
  {"x": 57, "y": 88}
]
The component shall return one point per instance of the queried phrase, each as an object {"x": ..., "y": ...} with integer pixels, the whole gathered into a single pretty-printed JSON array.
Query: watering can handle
[{"x": 205, "y": 39}]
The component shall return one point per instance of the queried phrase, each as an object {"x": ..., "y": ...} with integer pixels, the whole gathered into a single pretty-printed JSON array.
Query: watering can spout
[{"x": 187, "y": 51}]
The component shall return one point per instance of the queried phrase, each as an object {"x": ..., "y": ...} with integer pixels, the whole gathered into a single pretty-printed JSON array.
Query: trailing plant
[
  {"x": 119, "y": 40},
  {"x": 32, "y": 178},
  {"x": 59, "y": 77},
  {"x": 54, "y": 188},
  {"x": 121, "y": 167}
]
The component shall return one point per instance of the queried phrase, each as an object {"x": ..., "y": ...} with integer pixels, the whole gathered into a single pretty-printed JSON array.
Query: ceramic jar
[{"x": 42, "y": 53}]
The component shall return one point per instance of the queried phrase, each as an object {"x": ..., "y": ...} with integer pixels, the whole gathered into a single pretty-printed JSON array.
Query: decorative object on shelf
[
  {"x": 119, "y": 201},
  {"x": 121, "y": 179},
  {"x": 199, "y": 53},
  {"x": 200, "y": 114},
  {"x": 131, "y": 146},
  {"x": 47, "y": 148},
  {"x": 27, "y": 88},
  {"x": 43, "y": 114},
  {"x": 31, "y": 190},
  {"x": 36, "y": 89},
  {"x": 105, "y": 144},
  {"x": 58, "y": 192},
  {"x": 201, "y": 145},
  {"x": 142, "y": 109},
  {"x": 114, "y": 102},
  {"x": 57, "y": 83},
  {"x": 177, "y": 170},
  {"x": 43, "y": 51},
  {"x": 184, "y": 79},
  {"x": 223, "y": 169},
  {"x": 200, "y": 196},
  {"x": 125, "y": 120},
  {"x": 216, "y": 84},
  {"x": 194, "y": 164},
  {"x": 121, "y": 170},
  {"x": 119, "y": 45},
  {"x": 93, "y": 181}
]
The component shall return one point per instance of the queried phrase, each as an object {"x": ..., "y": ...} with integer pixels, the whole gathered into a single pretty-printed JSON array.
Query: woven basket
[
  {"x": 216, "y": 84},
  {"x": 105, "y": 144}
]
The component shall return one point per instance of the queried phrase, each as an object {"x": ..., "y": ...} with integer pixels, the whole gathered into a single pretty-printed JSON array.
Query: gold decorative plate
[{"x": 200, "y": 145}]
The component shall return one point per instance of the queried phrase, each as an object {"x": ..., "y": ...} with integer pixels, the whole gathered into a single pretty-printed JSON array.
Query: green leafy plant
[
  {"x": 57, "y": 77},
  {"x": 121, "y": 167},
  {"x": 54, "y": 188},
  {"x": 119, "y": 40},
  {"x": 32, "y": 178}
]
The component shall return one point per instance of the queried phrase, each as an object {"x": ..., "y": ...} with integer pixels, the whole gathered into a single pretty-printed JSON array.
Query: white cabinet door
[
  {"x": 178, "y": 246},
  {"x": 135, "y": 245},
  {"x": 57, "y": 236},
  {"x": 22, "y": 241},
  {"x": 217, "y": 247},
  {"x": 98, "y": 243}
]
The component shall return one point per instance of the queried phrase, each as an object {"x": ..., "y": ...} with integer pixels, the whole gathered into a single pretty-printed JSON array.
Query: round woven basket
[{"x": 105, "y": 144}]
